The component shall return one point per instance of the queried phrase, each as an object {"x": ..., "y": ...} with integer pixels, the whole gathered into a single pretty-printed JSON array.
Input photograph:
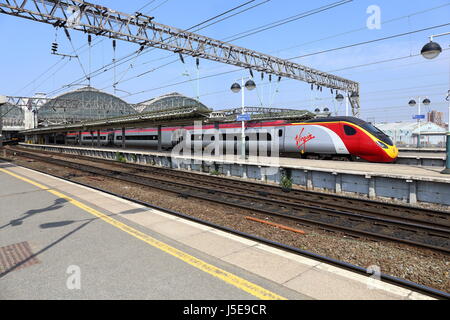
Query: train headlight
[{"x": 381, "y": 144}]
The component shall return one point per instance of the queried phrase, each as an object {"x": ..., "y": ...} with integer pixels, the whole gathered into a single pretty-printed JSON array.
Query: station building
[
  {"x": 405, "y": 134},
  {"x": 84, "y": 104}
]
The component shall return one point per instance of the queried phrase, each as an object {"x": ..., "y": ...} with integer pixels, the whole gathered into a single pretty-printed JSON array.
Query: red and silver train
[{"x": 321, "y": 138}]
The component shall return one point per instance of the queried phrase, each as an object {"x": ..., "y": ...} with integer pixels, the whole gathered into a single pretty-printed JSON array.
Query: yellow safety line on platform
[{"x": 228, "y": 277}]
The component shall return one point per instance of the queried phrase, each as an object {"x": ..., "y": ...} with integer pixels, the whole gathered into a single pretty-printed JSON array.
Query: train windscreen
[{"x": 377, "y": 133}]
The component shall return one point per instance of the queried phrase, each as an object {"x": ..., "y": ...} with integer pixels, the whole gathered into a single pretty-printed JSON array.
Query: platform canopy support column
[
  {"x": 79, "y": 138},
  {"x": 98, "y": 138}
]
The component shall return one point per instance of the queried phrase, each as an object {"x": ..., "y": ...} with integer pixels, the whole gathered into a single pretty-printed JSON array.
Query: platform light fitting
[
  {"x": 426, "y": 101},
  {"x": 339, "y": 97},
  {"x": 250, "y": 85},
  {"x": 236, "y": 87},
  {"x": 412, "y": 103},
  {"x": 431, "y": 50}
]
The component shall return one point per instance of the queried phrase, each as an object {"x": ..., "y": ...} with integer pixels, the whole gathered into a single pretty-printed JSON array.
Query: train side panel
[{"x": 313, "y": 139}]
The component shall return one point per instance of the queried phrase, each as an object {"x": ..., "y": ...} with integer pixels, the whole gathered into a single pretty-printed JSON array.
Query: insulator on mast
[
  {"x": 181, "y": 57},
  {"x": 54, "y": 47}
]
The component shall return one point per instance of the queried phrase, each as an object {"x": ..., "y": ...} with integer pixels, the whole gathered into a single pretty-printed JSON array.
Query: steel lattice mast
[{"x": 141, "y": 29}]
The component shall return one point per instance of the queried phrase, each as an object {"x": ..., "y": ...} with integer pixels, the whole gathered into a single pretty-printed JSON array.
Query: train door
[{"x": 280, "y": 134}]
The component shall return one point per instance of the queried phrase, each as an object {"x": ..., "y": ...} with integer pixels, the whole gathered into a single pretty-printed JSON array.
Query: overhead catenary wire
[
  {"x": 371, "y": 41},
  {"x": 285, "y": 21},
  {"x": 303, "y": 15},
  {"x": 76, "y": 54},
  {"x": 101, "y": 70},
  {"x": 104, "y": 68},
  {"x": 365, "y": 27},
  {"x": 284, "y": 79},
  {"x": 395, "y": 19},
  {"x": 58, "y": 62},
  {"x": 366, "y": 42}
]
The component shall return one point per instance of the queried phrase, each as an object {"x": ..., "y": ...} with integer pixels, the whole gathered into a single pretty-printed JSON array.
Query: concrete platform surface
[{"x": 85, "y": 244}]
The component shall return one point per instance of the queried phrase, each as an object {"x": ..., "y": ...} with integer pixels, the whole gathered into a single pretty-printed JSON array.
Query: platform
[
  {"x": 67, "y": 241},
  {"x": 422, "y": 159},
  {"x": 411, "y": 184}
]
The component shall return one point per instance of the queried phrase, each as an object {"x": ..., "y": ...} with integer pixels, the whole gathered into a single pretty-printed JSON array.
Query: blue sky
[{"x": 386, "y": 87}]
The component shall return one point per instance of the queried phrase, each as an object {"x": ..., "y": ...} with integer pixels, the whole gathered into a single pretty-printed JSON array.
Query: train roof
[{"x": 354, "y": 120}]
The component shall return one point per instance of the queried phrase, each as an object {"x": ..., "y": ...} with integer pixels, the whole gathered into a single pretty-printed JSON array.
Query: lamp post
[
  {"x": 413, "y": 103},
  {"x": 3, "y": 101},
  {"x": 430, "y": 51},
  {"x": 339, "y": 98},
  {"x": 236, "y": 87}
]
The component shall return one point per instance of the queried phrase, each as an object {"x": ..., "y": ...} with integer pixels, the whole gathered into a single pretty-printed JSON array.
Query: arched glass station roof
[
  {"x": 170, "y": 101},
  {"x": 81, "y": 105},
  {"x": 12, "y": 116}
]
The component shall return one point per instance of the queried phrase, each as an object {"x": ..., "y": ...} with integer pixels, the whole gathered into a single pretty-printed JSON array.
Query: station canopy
[
  {"x": 91, "y": 109},
  {"x": 82, "y": 105}
]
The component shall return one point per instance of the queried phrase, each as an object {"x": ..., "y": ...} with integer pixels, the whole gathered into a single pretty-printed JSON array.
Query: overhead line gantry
[{"x": 142, "y": 30}]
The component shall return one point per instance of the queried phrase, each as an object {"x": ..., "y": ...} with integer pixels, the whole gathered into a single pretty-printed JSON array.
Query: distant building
[
  {"x": 436, "y": 117},
  {"x": 405, "y": 134}
]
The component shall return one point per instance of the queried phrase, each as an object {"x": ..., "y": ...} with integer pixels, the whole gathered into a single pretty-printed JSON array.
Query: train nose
[{"x": 392, "y": 152}]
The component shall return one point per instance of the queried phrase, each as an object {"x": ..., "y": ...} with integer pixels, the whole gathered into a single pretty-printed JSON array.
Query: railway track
[
  {"x": 374, "y": 208},
  {"x": 426, "y": 234}
]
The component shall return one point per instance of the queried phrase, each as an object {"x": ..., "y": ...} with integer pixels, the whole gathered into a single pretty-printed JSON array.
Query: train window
[
  {"x": 280, "y": 133},
  {"x": 213, "y": 138},
  {"x": 350, "y": 131}
]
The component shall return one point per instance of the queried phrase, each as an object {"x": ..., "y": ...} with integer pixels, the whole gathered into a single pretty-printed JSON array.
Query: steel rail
[
  {"x": 363, "y": 206},
  {"x": 349, "y": 223}
]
